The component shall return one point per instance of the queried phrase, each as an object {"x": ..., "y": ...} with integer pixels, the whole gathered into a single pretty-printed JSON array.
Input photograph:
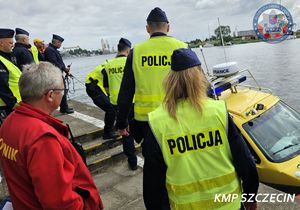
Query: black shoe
[
  {"x": 67, "y": 111},
  {"x": 111, "y": 135},
  {"x": 133, "y": 168}
]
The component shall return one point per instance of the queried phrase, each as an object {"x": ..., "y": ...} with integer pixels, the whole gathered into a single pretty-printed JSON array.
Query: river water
[{"x": 274, "y": 66}]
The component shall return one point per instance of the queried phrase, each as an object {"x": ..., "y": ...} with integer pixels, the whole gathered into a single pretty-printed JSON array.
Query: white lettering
[
  {"x": 272, "y": 198},
  {"x": 244, "y": 197},
  {"x": 217, "y": 197},
  {"x": 256, "y": 197},
  {"x": 251, "y": 197},
  {"x": 259, "y": 198},
  {"x": 278, "y": 198},
  {"x": 265, "y": 198},
  {"x": 291, "y": 198},
  {"x": 234, "y": 196},
  {"x": 226, "y": 198}
]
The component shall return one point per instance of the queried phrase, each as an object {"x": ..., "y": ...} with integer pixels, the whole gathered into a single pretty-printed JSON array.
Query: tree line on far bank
[
  {"x": 81, "y": 53},
  {"x": 215, "y": 40}
]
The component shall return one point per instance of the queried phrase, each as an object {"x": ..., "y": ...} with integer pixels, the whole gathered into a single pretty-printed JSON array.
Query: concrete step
[
  {"x": 94, "y": 146},
  {"x": 98, "y": 161},
  {"x": 89, "y": 136}
]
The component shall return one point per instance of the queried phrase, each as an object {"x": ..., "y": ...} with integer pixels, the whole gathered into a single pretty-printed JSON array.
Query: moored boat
[{"x": 269, "y": 126}]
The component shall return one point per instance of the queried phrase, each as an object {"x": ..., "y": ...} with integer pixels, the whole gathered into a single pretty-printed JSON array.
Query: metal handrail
[{"x": 257, "y": 87}]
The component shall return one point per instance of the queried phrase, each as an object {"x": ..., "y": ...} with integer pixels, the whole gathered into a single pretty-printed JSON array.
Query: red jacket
[{"x": 41, "y": 167}]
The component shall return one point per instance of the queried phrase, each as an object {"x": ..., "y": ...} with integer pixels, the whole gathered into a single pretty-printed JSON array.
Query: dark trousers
[
  {"x": 154, "y": 191},
  {"x": 64, "y": 103},
  {"x": 129, "y": 150},
  {"x": 128, "y": 141},
  {"x": 102, "y": 101}
]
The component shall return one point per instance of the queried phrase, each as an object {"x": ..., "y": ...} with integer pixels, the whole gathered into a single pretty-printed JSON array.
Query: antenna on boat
[
  {"x": 222, "y": 40},
  {"x": 201, "y": 50}
]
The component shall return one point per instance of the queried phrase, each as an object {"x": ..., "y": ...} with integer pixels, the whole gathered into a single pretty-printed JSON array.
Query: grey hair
[
  {"x": 37, "y": 79},
  {"x": 19, "y": 37},
  {"x": 54, "y": 41}
]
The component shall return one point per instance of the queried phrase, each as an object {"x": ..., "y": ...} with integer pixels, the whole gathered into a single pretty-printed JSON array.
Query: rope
[
  {"x": 70, "y": 84},
  {"x": 72, "y": 76},
  {"x": 70, "y": 80}
]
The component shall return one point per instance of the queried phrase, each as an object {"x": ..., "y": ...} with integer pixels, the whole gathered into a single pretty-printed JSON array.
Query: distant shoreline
[{"x": 217, "y": 43}]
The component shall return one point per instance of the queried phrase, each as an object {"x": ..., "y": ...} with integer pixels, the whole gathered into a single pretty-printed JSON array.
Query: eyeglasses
[
  {"x": 60, "y": 89},
  {"x": 57, "y": 89}
]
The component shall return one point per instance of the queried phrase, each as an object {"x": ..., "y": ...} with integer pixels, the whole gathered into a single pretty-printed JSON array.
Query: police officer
[
  {"x": 9, "y": 73},
  {"x": 95, "y": 90},
  {"x": 146, "y": 67},
  {"x": 53, "y": 56},
  {"x": 114, "y": 69},
  {"x": 199, "y": 157},
  {"x": 22, "y": 48}
]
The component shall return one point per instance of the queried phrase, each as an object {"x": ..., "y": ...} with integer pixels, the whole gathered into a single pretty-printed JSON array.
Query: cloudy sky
[{"x": 85, "y": 22}]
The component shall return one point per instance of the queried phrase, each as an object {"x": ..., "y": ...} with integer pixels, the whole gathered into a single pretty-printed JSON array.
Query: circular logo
[{"x": 273, "y": 23}]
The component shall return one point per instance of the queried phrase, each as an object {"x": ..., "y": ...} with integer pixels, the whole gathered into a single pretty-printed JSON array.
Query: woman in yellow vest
[{"x": 203, "y": 157}]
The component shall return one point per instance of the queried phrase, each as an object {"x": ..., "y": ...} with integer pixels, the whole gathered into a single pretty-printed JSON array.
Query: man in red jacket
[{"x": 41, "y": 167}]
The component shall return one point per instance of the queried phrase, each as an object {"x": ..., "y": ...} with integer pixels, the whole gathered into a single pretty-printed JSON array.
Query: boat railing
[
  {"x": 257, "y": 87},
  {"x": 220, "y": 84}
]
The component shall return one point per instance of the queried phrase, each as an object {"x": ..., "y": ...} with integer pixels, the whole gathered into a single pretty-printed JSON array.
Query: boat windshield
[{"x": 276, "y": 132}]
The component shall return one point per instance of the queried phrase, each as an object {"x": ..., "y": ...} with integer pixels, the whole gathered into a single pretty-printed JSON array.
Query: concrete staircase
[{"x": 99, "y": 151}]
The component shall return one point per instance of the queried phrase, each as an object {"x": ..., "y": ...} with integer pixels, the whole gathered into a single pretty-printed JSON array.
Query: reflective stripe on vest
[
  {"x": 96, "y": 75},
  {"x": 115, "y": 69},
  {"x": 197, "y": 154},
  {"x": 151, "y": 64},
  {"x": 13, "y": 79},
  {"x": 35, "y": 54},
  {"x": 209, "y": 204}
]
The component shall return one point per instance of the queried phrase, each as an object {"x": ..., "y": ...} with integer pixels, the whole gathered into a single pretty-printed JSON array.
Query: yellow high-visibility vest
[
  {"x": 35, "y": 54},
  {"x": 96, "y": 75},
  {"x": 197, "y": 155},
  {"x": 115, "y": 69},
  {"x": 151, "y": 64},
  {"x": 13, "y": 79}
]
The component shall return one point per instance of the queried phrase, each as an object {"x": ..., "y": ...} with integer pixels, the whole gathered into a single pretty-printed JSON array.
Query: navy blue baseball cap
[
  {"x": 184, "y": 58},
  {"x": 157, "y": 15},
  {"x": 125, "y": 42},
  {"x": 21, "y": 31},
  {"x": 59, "y": 38},
  {"x": 6, "y": 33}
]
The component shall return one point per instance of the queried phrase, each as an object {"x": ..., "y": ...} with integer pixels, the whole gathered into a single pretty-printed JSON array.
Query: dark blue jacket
[
  {"x": 41, "y": 56},
  {"x": 5, "y": 93},
  {"x": 53, "y": 56},
  {"x": 23, "y": 55}
]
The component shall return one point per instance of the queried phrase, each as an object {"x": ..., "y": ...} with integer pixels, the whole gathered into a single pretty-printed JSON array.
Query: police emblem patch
[{"x": 273, "y": 23}]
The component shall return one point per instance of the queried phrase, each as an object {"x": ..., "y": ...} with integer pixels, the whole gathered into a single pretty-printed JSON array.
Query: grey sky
[{"x": 85, "y": 22}]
